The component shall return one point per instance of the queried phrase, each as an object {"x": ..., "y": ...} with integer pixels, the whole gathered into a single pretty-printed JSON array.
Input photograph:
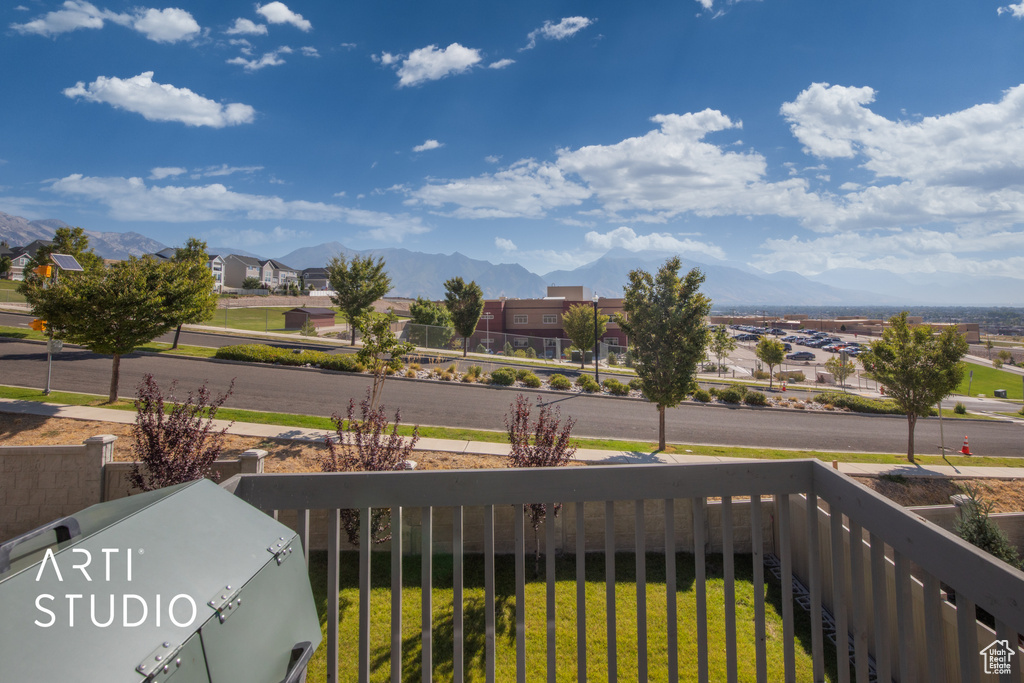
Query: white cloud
[
  {"x": 706, "y": 4},
  {"x": 309, "y": 51},
  {"x": 504, "y": 244},
  {"x": 75, "y": 14},
  {"x": 492, "y": 159},
  {"x": 1016, "y": 10},
  {"x": 501, "y": 64},
  {"x": 278, "y": 13},
  {"x": 430, "y": 64},
  {"x": 272, "y": 58},
  {"x": 428, "y": 145},
  {"x": 161, "y": 102},
  {"x": 21, "y": 8},
  {"x": 225, "y": 170},
  {"x": 386, "y": 227},
  {"x": 626, "y": 238},
  {"x": 255, "y": 238},
  {"x": 246, "y": 27},
  {"x": 161, "y": 172},
  {"x": 169, "y": 25},
  {"x": 566, "y": 27}
]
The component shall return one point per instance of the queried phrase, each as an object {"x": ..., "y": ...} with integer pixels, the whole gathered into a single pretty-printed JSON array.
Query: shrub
[
  {"x": 447, "y": 376},
  {"x": 521, "y": 373},
  {"x": 974, "y": 526},
  {"x": 415, "y": 367},
  {"x": 261, "y": 353},
  {"x": 480, "y": 348},
  {"x": 636, "y": 385},
  {"x": 503, "y": 377},
  {"x": 175, "y": 447},
  {"x": 701, "y": 396},
  {"x": 531, "y": 353},
  {"x": 559, "y": 382},
  {"x": 997, "y": 363},
  {"x": 410, "y": 373},
  {"x": 613, "y": 359},
  {"x": 761, "y": 374},
  {"x": 628, "y": 358},
  {"x": 531, "y": 380},
  {"x": 507, "y": 350},
  {"x": 733, "y": 394},
  {"x": 519, "y": 353},
  {"x": 960, "y": 408},
  {"x": 308, "y": 329},
  {"x": 369, "y": 444},
  {"x": 588, "y": 384},
  {"x": 615, "y": 387},
  {"x": 858, "y": 404},
  {"x": 755, "y": 398},
  {"x": 790, "y": 376},
  {"x": 714, "y": 392}
]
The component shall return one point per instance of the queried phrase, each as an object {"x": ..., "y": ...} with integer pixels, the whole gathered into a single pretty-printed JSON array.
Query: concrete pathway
[{"x": 960, "y": 465}]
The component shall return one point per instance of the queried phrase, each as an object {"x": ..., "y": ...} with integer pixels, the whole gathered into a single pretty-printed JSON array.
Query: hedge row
[
  {"x": 261, "y": 353},
  {"x": 858, "y": 404}
]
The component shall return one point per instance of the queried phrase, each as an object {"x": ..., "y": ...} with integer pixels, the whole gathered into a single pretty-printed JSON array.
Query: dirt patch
[{"x": 1008, "y": 495}]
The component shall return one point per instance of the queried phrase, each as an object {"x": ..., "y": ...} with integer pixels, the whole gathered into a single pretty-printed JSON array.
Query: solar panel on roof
[{"x": 66, "y": 262}]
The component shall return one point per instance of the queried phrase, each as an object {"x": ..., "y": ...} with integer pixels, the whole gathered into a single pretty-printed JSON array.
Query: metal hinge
[
  {"x": 226, "y": 602},
  {"x": 280, "y": 549},
  {"x": 161, "y": 664}
]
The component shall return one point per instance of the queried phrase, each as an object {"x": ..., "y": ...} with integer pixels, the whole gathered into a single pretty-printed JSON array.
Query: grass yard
[
  {"x": 536, "y": 633},
  {"x": 263, "y": 319},
  {"x": 8, "y": 292},
  {"x": 988, "y": 379}
]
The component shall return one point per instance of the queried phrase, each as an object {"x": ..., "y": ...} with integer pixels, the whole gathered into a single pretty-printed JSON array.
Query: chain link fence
[{"x": 500, "y": 343}]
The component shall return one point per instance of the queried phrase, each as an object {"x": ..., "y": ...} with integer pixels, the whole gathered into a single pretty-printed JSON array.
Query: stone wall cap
[{"x": 101, "y": 438}]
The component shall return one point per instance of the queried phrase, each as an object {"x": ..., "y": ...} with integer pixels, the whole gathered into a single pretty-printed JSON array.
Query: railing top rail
[
  {"x": 444, "y": 488},
  {"x": 994, "y": 586}
]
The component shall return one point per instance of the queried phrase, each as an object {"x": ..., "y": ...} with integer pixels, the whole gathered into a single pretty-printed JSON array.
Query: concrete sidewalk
[{"x": 590, "y": 456}]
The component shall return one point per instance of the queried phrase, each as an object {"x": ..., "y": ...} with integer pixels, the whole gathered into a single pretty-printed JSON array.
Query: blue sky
[{"x": 783, "y": 134}]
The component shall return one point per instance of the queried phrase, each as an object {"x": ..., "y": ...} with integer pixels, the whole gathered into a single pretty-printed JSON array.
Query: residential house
[
  {"x": 280, "y": 273},
  {"x": 316, "y": 279},
  {"x": 237, "y": 268},
  {"x": 20, "y": 256},
  {"x": 214, "y": 262}
]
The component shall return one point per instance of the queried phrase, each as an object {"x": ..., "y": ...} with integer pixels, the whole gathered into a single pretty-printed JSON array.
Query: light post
[{"x": 597, "y": 375}]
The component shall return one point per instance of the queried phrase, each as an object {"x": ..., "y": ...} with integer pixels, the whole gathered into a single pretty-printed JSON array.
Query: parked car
[{"x": 800, "y": 355}]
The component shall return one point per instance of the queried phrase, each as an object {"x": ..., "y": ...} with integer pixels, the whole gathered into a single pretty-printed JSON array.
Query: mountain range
[{"x": 727, "y": 284}]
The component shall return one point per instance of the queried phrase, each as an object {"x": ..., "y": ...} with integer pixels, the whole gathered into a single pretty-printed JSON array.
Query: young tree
[
  {"x": 110, "y": 311},
  {"x": 430, "y": 314},
  {"x": 191, "y": 298},
  {"x": 465, "y": 302},
  {"x": 665, "y": 324},
  {"x": 578, "y": 323},
  {"x": 381, "y": 349},
  {"x": 5, "y": 265},
  {"x": 251, "y": 282},
  {"x": 974, "y": 525},
  {"x": 917, "y": 367},
  {"x": 840, "y": 367},
  {"x": 357, "y": 283},
  {"x": 721, "y": 345},
  {"x": 174, "y": 447},
  {"x": 771, "y": 352}
]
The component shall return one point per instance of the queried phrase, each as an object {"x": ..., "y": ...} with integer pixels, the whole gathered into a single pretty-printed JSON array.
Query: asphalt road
[{"x": 315, "y": 392}]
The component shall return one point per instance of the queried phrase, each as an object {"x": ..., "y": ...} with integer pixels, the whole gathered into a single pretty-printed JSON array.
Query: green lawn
[
  {"x": 263, "y": 319},
  {"x": 535, "y": 617},
  {"x": 988, "y": 379}
]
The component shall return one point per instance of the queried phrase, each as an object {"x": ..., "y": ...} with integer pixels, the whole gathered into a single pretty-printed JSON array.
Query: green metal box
[{"x": 188, "y": 583}]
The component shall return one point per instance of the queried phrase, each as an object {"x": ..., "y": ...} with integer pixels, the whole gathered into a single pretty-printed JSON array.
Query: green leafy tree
[
  {"x": 357, "y": 283},
  {"x": 1005, "y": 356},
  {"x": 840, "y": 367},
  {"x": 432, "y": 315},
  {"x": 665, "y": 324},
  {"x": 721, "y": 345},
  {"x": 917, "y": 367},
  {"x": 251, "y": 283},
  {"x": 771, "y": 352},
  {"x": 578, "y": 323},
  {"x": 381, "y": 349},
  {"x": 5, "y": 265},
  {"x": 465, "y": 302},
  {"x": 71, "y": 241},
  {"x": 111, "y": 311},
  {"x": 191, "y": 298},
  {"x": 974, "y": 525}
]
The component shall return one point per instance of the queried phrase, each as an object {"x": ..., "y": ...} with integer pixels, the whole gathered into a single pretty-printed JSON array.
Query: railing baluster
[
  {"x": 729, "y": 589},
  {"x": 905, "y": 619},
  {"x": 814, "y": 579},
  {"x": 641, "y": 592},
  {"x": 1004, "y": 632},
  {"x": 967, "y": 639},
  {"x": 858, "y": 597},
  {"x": 839, "y": 594},
  {"x": 396, "y": 595},
  {"x": 365, "y": 543},
  {"x": 549, "y": 561},
  {"x": 757, "y": 551},
  {"x": 302, "y": 529},
  {"x": 671, "y": 610},
  {"x": 880, "y": 607},
  {"x": 700, "y": 584},
  {"x": 489, "y": 592},
  {"x": 786, "y": 550},
  {"x": 935, "y": 640},
  {"x": 581, "y": 593},
  {"x": 609, "y": 587},
  {"x": 457, "y": 603},
  {"x": 520, "y": 596},
  {"x": 333, "y": 580},
  {"x": 426, "y": 587}
]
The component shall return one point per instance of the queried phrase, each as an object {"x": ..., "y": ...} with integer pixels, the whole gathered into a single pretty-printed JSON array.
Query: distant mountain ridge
[{"x": 17, "y": 231}]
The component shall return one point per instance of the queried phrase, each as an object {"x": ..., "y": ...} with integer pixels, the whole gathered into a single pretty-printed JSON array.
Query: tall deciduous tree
[
  {"x": 111, "y": 311},
  {"x": 918, "y": 367},
  {"x": 771, "y": 352},
  {"x": 191, "y": 298},
  {"x": 578, "y": 323},
  {"x": 465, "y": 301},
  {"x": 664, "y": 318},
  {"x": 721, "y": 345},
  {"x": 357, "y": 283}
]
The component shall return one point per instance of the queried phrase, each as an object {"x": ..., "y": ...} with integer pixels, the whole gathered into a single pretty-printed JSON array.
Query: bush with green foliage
[
  {"x": 613, "y": 360},
  {"x": 627, "y": 359},
  {"x": 997, "y": 363},
  {"x": 261, "y": 353},
  {"x": 503, "y": 377},
  {"x": 790, "y": 376},
  {"x": 520, "y": 353},
  {"x": 530, "y": 352},
  {"x": 530, "y": 380},
  {"x": 480, "y": 348},
  {"x": 761, "y": 374},
  {"x": 636, "y": 385},
  {"x": 733, "y": 394},
  {"x": 508, "y": 350},
  {"x": 858, "y": 404},
  {"x": 755, "y": 398},
  {"x": 974, "y": 525},
  {"x": 960, "y": 408},
  {"x": 701, "y": 396},
  {"x": 559, "y": 382},
  {"x": 713, "y": 391},
  {"x": 615, "y": 387},
  {"x": 588, "y": 384}
]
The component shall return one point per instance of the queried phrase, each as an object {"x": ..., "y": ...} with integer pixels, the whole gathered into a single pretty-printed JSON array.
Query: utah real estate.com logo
[{"x": 996, "y": 656}]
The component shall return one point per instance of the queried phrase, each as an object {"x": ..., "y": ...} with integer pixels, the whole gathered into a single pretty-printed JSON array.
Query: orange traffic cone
[
  {"x": 783, "y": 386},
  {"x": 966, "y": 450}
]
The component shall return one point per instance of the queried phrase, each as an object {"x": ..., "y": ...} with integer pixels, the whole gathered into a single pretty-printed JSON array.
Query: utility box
[
  {"x": 1000, "y": 393},
  {"x": 186, "y": 582}
]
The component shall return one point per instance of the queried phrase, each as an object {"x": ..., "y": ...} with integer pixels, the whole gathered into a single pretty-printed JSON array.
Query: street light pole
[{"x": 597, "y": 375}]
